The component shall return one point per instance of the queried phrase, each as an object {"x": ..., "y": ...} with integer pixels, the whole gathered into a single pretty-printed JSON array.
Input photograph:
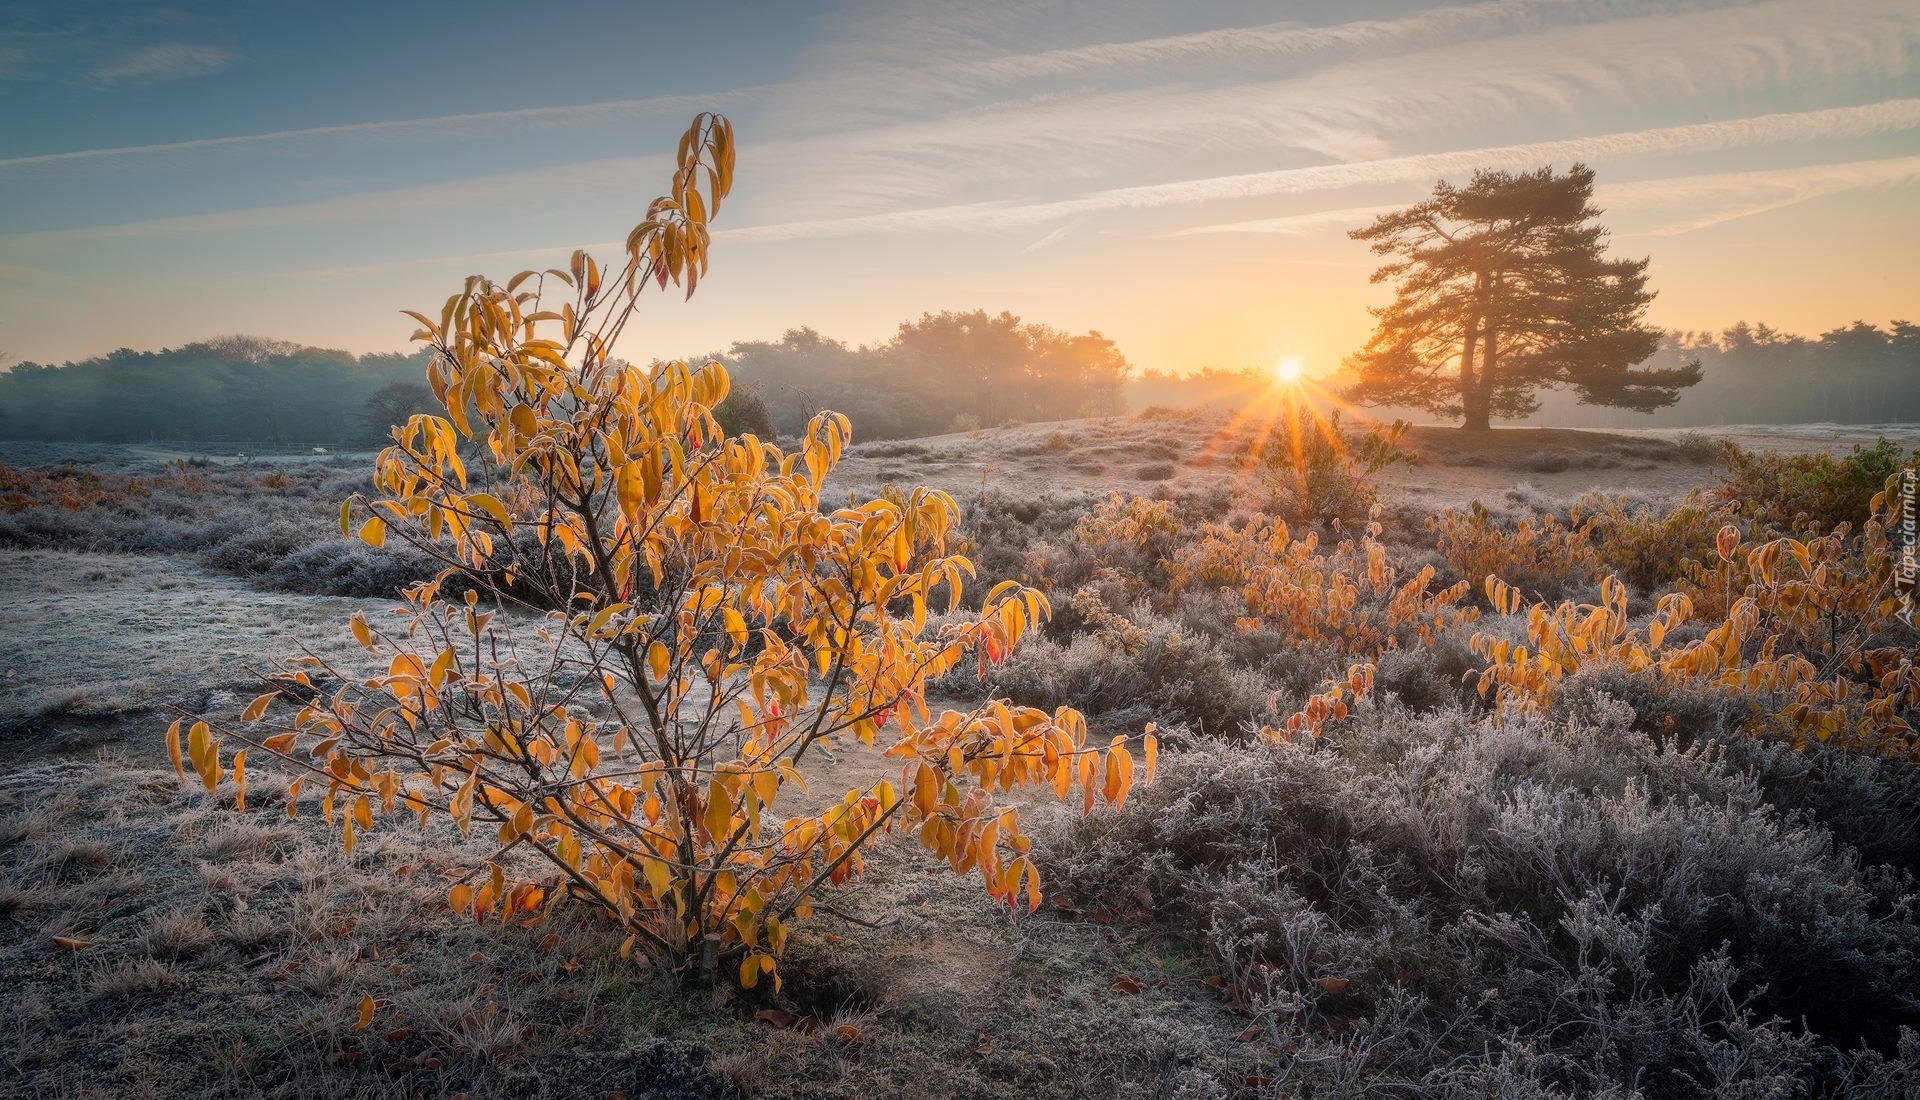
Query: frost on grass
[{"x": 1438, "y": 907}]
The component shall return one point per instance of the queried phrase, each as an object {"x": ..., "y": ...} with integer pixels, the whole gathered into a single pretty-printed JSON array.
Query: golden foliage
[
  {"x": 1353, "y": 597},
  {"x": 1805, "y": 627},
  {"x": 710, "y": 621}
]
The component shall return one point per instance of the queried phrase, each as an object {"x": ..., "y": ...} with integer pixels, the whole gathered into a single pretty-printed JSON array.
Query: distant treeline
[
  {"x": 234, "y": 388},
  {"x": 944, "y": 372},
  {"x": 1753, "y": 374}
]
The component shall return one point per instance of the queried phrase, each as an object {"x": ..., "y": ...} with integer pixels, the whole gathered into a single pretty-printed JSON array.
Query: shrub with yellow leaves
[
  {"x": 1808, "y": 625},
  {"x": 1351, "y": 597},
  {"x": 716, "y": 623}
]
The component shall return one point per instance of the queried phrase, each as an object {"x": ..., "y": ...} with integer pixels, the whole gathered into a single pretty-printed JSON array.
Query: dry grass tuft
[
  {"x": 133, "y": 978},
  {"x": 17, "y": 828},
  {"x": 177, "y": 934},
  {"x": 75, "y": 857},
  {"x": 234, "y": 839}
]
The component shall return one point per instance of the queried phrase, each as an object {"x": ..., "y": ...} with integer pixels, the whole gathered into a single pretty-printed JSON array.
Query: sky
[{"x": 1180, "y": 177}]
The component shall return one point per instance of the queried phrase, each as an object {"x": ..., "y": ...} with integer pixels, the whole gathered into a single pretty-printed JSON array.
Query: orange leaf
[
  {"x": 366, "y": 1012},
  {"x": 258, "y": 708}
]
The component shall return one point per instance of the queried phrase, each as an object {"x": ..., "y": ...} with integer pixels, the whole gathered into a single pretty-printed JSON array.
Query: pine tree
[{"x": 1502, "y": 288}]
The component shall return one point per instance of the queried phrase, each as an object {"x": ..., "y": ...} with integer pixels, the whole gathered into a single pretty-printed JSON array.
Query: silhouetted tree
[
  {"x": 1502, "y": 288},
  {"x": 393, "y": 404}
]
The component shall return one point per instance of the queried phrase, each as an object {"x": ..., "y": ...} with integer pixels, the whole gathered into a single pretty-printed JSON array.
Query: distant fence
[{"x": 226, "y": 447}]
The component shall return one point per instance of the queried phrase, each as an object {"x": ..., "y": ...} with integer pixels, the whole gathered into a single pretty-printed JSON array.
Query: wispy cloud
[
  {"x": 1362, "y": 108},
  {"x": 168, "y": 61},
  {"x": 1706, "y": 199},
  {"x": 1718, "y": 198},
  {"x": 1293, "y": 224},
  {"x": 1707, "y": 137},
  {"x": 539, "y": 183},
  {"x": 606, "y": 110},
  {"x": 1268, "y": 42}
]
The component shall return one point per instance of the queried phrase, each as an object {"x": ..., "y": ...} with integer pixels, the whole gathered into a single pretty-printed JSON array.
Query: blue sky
[{"x": 1179, "y": 177}]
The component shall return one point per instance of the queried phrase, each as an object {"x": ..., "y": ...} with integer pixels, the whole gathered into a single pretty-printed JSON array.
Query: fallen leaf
[
  {"x": 1335, "y": 986},
  {"x": 849, "y": 1035},
  {"x": 72, "y": 943},
  {"x": 366, "y": 1012},
  {"x": 1127, "y": 986},
  {"x": 787, "y": 1021},
  {"x": 1249, "y": 1035}
]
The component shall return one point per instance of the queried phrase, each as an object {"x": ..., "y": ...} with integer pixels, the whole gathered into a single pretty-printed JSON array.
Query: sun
[{"x": 1288, "y": 371}]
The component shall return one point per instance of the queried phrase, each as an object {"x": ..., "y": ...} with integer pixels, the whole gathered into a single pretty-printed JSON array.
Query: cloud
[
  {"x": 1713, "y": 198},
  {"x": 1721, "y": 197},
  {"x": 169, "y": 61},
  {"x": 1357, "y": 109},
  {"x": 1293, "y": 224},
  {"x": 537, "y": 183},
  {"x": 1706, "y": 137},
  {"x": 573, "y": 113}
]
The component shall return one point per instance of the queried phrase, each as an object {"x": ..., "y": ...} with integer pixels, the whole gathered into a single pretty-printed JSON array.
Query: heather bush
[
  {"x": 1798, "y": 492},
  {"x": 1124, "y": 671},
  {"x": 349, "y": 567},
  {"x": 1648, "y": 546},
  {"x": 1441, "y": 907}
]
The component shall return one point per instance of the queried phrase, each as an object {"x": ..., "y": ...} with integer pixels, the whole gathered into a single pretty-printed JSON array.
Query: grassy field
[{"x": 1643, "y": 885}]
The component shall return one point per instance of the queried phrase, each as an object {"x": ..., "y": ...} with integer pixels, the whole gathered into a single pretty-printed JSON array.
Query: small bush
[
  {"x": 1647, "y": 546},
  {"x": 1538, "y": 554},
  {"x": 1316, "y": 472},
  {"x": 1807, "y": 491},
  {"x": 343, "y": 567}
]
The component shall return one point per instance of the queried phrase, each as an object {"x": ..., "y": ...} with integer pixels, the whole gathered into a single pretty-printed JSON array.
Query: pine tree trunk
[
  {"x": 1478, "y": 399},
  {"x": 1469, "y": 378}
]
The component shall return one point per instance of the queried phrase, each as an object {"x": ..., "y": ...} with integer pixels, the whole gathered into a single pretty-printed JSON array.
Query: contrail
[{"x": 611, "y": 106}]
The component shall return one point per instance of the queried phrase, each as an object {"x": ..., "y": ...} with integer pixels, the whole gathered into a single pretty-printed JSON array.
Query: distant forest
[
  {"x": 228, "y": 389},
  {"x": 1753, "y": 374},
  {"x": 944, "y": 372}
]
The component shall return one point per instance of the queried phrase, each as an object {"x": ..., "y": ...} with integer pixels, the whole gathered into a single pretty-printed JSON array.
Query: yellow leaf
[
  {"x": 719, "y": 816},
  {"x": 366, "y": 1012},
  {"x": 491, "y": 505},
  {"x": 361, "y": 632},
  {"x": 658, "y": 660},
  {"x": 374, "y": 532},
  {"x": 460, "y": 897},
  {"x": 173, "y": 748},
  {"x": 240, "y": 780},
  {"x": 258, "y": 708}
]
